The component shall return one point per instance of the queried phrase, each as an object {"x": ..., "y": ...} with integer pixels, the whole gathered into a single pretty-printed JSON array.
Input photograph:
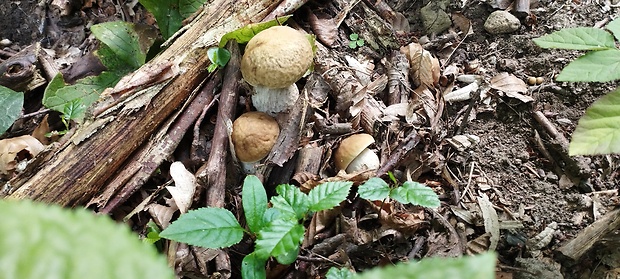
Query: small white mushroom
[
  {"x": 254, "y": 134},
  {"x": 273, "y": 61},
  {"x": 353, "y": 154}
]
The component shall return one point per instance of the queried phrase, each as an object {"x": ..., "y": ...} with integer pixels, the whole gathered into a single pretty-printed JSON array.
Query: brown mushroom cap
[
  {"x": 276, "y": 57},
  {"x": 350, "y": 148},
  {"x": 254, "y": 134}
]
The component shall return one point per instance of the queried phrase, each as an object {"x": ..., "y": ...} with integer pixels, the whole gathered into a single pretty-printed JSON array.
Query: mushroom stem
[{"x": 274, "y": 100}]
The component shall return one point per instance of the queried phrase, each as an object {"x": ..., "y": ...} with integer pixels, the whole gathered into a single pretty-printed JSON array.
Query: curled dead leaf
[
  {"x": 424, "y": 68},
  {"x": 14, "y": 150},
  {"x": 506, "y": 82}
]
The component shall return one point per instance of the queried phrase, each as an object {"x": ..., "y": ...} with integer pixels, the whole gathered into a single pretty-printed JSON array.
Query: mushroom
[
  {"x": 273, "y": 61},
  {"x": 353, "y": 154},
  {"x": 254, "y": 134}
]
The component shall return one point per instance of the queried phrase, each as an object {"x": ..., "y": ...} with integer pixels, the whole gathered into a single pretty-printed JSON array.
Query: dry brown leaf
[
  {"x": 16, "y": 149},
  {"x": 491, "y": 221},
  {"x": 506, "y": 82},
  {"x": 462, "y": 23},
  {"x": 325, "y": 29},
  {"x": 41, "y": 130},
  {"x": 185, "y": 186},
  {"x": 424, "y": 68}
]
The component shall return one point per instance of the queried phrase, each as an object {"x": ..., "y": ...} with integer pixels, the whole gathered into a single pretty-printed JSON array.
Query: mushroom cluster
[
  {"x": 273, "y": 61},
  {"x": 254, "y": 134},
  {"x": 353, "y": 154}
]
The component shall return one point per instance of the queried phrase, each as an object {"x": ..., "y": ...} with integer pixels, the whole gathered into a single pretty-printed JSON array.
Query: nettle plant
[
  {"x": 598, "y": 130},
  {"x": 278, "y": 230}
]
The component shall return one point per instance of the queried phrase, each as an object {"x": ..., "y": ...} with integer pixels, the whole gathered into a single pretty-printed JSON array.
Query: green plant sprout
[
  {"x": 355, "y": 41},
  {"x": 277, "y": 229},
  {"x": 598, "y": 131},
  {"x": 410, "y": 192}
]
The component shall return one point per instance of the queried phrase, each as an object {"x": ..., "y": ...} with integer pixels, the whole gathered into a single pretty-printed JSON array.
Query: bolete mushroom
[
  {"x": 273, "y": 61},
  {"x": 353, "y": 154},
  {"x": 254, "y": 134}
]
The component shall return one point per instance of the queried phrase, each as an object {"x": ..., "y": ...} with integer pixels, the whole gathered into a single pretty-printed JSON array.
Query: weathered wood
[
  {"x": 213, "y": 173},
  {"x": 579, "y": 245},
  {"x": 76, "y": 171}
]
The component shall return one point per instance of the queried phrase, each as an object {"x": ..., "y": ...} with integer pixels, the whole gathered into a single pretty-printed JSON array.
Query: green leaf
[
  {"x": 73, "y": 109},
  {"x": 598, "y": 66},
  {"x": 244, "y": 34},
  {"x": 124, "y": 40},
  {"x": 354, "y": 36},
  {"x": 374, "y": 189},
  {"x": 580, "y": 38},
  {"x": 272, "y": 214},
  {"x": 253, "y": 267},
  {"x": 614, "y": 27},
  {"x": 86, "y": 91},
  {"x": 598, "y": 130},
  {"x": 278, "y": 238},
  {"x": 466, "y": 267},
  {"x": 360, "y": 42},
  {"x": 291, "y": 201},
  {"x": 288, "y": 257},
  {"x": 416, "y": 193},
  {"x": 47, "y": 241},
  {"x": 218, "y": 56},
  {"x": 329, "y": 195},
  {"x": 254, "y": 202},
  {"x": 352, "y": 44},
  {"x": 208, "y": 227},
  {"x": 11, "y": 103},
  {"x": 336, "y": 273},
  {"x": 170, "y": 13}
]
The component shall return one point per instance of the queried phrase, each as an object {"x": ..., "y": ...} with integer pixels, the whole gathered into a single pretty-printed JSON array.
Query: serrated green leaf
[
  {"x": 47, "y": 241},
  {"x": 354, "y": 36},
  {"x": 338, "y": 273},
  {"x": 207, "y": 227},
  {"x": 598, "y": 130},
  {"x": 73, "y": 109},
  {"x": 272, "y": 214},
  {"x": 254, "y": 200},
  {"x": 86, "y": 91},
  {"x": 417, "y": 194},
  {"x": 291, "y": 201},
  {"x": 245, "y": 33},
  {"x": 329, "y": 195},
  {"x": 601, "y": 66},
  {"x": 253, "y": 267},
  {"x": 279, "y": 237},
  {"x": 11, "y": 103},
  {"x": 614, "y": 27},
  {"x": 352, "y": 44},
  {"x": 580, "y": 38},
  {"x": 288, "y": 257},
  {"x": 466, "y": 267},
  {"x": 124, "y": 40},
  {"x": 374, "y": 189}
]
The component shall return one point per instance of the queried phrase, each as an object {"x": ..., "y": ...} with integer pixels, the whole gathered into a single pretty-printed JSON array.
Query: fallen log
[{"x": 71, "y": 173}]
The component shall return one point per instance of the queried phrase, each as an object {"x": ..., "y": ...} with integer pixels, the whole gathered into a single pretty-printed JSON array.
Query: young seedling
[
  {"x": 355, "y": 41},
  {"x": 277, "y": 229},
  {"x": 411, "y": 192}
]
